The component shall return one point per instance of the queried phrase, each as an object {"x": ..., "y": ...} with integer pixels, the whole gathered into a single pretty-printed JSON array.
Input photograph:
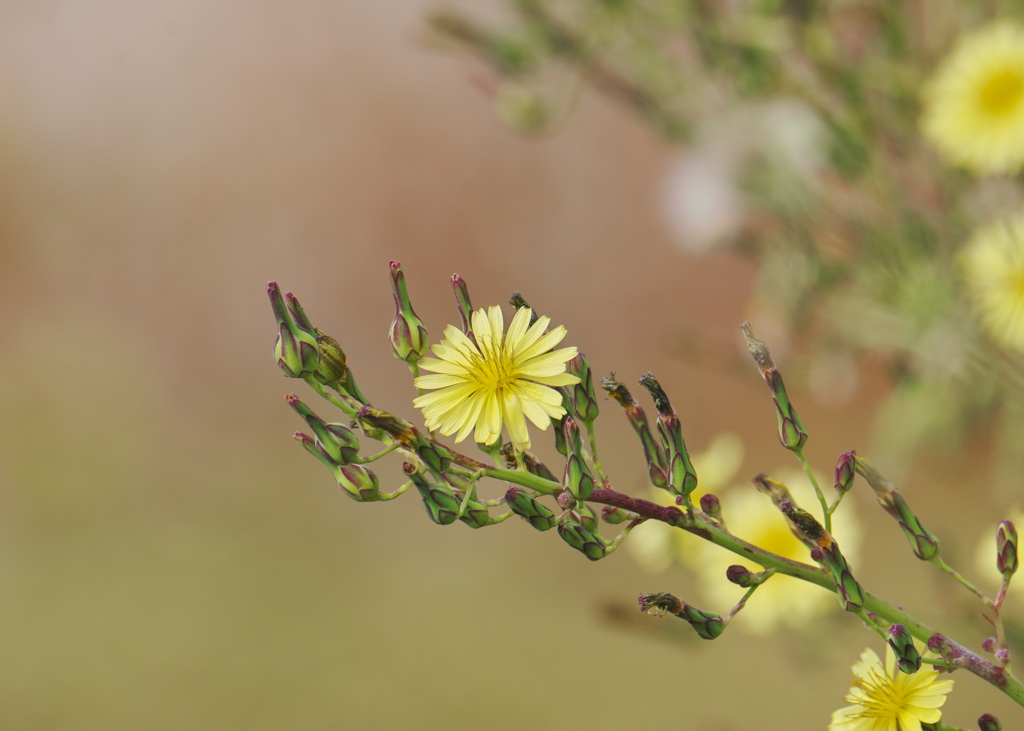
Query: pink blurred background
[{"x": 169, "y": 557}]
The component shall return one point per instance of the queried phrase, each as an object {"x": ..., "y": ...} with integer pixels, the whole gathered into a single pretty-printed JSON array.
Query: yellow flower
[
  {"x": 884, "y": 699},
  {"x": 974, "y": 105},
  {"x": 500, "y": 379},
  {"x": 993, "y": 262},
  {"x": 782, "y": 601}
]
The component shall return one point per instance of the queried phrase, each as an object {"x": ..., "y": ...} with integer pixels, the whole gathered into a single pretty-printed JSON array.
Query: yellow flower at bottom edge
[
  {"x": 974, "y": 105},
  {"x": 496, "y": 378},
  {"x": 884, "y": 699},
  {"x": 993, "y": 265}
]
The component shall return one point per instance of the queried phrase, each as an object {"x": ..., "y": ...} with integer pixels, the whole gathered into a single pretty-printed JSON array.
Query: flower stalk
[{"x": 492, "y": 380}]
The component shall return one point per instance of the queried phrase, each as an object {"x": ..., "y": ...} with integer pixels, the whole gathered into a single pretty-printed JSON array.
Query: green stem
[
  {"x": 743, "y": 601},
  {"x": 396, "y": 493},
  {"x": 374, "y": 457},
  {"x": 937, "y": 560},
  {"x": 525, "y": 479},
  {"x": 826, "y": 513},
  {"x": 694, "y": 523},
  {"x": 324, "y": 393}
]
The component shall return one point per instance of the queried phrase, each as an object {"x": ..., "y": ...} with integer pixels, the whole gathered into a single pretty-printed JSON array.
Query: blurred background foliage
[
  {"x": 170, "y": 557},
  {"x": 798, "y": 123}
]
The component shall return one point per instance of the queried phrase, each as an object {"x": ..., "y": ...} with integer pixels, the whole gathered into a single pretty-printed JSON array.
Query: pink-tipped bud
[
  {"x": 408, "y": 335},
  {"x": 1006, "y": 549},
  {"x": 846, "y": 470},
  {"x": 296, "y": 348},
  {"x": 465, "y": 306}
]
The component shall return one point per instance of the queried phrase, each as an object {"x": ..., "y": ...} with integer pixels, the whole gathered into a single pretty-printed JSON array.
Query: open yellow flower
[
  {"x": 993, "y": 262},
  {"x": 500, "y": 379},
  {"x": 884, "y": 699},
  {"x": 974, "y": 105}
]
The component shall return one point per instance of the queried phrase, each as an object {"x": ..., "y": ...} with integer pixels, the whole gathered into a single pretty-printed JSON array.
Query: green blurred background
[{"x": 171, "y": 559}]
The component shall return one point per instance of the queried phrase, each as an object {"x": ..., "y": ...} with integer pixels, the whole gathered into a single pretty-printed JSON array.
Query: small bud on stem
[
  {"x": 657, "y": 462},
  {"x": 408, "y": 335},
  {"x": 923, "y": 542},
  {"x": 1006, "y": 549},
  {"x": 791, "y": 430},
  {"x": 902, "y": 644},
  {"x": 296, "y": 347},
  {"x": 708, "y": 625}
]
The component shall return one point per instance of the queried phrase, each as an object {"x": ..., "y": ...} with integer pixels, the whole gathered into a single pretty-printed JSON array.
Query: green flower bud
[
  {"x": 682, "y": 478},
  {"x": 408, "y": 336},
  {"x": 1006, "y": 549},
  {"x": 465, "y": 306},
  {"x": 657, "y": 462},
  {"x": 712, "y": 507},
  {"x": 707, "y": 624},
  {"x": 585, "y": 516},
  {"x": 583, "y": 392},
  {"x": 779, "y": 495},
  {"x": 336, "y": 442},
  {"x": 616, "y": 516},
  {"x": 561, "y": 445},
  {"x": 902, "y": 644},
  {"x": 826, "y": 550},
  {"x": 742, "y": 576},
  {"x": 845, "y": 472},
  {"x": 360, "y": 483},
  {"x": 577, "y": 478},
  {"x": 791, "y": 430},
  {"x": 439, "y": 501},
  {"x": 475, "y": 514},
  {"x": 584, "y": 541},
  {"x": 296, "y": 347},
  {"x": 923, "y": 542},
  {"x": 333, "y": 369},
  {"x": 526, "y": 507}
]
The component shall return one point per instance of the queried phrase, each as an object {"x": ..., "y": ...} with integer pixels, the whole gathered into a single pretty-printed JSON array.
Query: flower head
[
  {"x": 993, "y": 262},
  {"x": 495, "y": 378},
  {"x": 885, "y": 699},
  {"x": 974, "y": 105}
]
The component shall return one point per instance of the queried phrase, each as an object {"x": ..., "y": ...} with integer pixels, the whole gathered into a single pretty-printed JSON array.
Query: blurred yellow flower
[
  {"x": 974, "y": 104},
  {"x": 885, "y": 699},
  {"x": 993, "y": 264},
  {"x": 782, "y": 601},
  {"x": 500, "y": 379}
]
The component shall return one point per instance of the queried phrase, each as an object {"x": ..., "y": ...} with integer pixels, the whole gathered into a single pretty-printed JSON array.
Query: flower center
[
  {"x": 1002, "y": 92},
  {"x": 883, "y": 700},
  {"x": 495, "y": 370}
]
